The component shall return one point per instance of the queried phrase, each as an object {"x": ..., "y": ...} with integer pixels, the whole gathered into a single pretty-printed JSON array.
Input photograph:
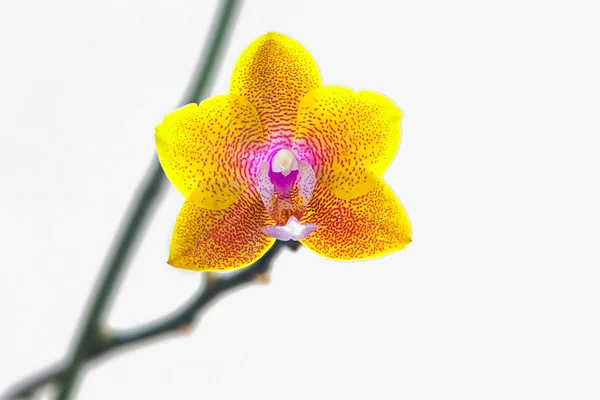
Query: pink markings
[
  {"x": 307, "y": 182},
  {"x": 265, "y": 187}
]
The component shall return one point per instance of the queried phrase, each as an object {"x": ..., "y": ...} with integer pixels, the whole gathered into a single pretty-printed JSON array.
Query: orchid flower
[{"x": 282, "y": 157}]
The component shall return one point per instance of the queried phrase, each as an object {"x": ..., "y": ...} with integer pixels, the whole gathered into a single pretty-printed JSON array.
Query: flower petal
[
  {"x": 209, "y": 240},
  {"x": 367, "y": 226},
  {"x": 274, "y": 73},
  {"x": 209, "y": 151},
  {"x": 306, "y": 183},
  {"x": 349, "y": 138},
  {"x": 265, "y": 187}
]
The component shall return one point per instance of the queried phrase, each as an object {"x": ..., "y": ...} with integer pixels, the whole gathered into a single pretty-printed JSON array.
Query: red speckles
[
  {"x": 207, "y": 138},
  {"x": 274, "y": 73},
  {"x": 346, "y": 137},
  {"x": 220, "y": 240},
  {"x": 367, "y": 226}
]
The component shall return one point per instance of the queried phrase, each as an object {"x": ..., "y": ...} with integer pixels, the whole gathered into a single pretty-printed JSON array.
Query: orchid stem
[
  {"x": 184, "y": 317},
  {"x": 140, "y": 210}
]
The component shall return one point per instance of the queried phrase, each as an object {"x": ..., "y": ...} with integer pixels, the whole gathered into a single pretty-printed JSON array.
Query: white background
[{"x": 496, "y": 298}]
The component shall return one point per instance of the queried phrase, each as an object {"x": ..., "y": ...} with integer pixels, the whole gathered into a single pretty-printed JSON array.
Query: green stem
[{"x": 140, "y": 210}]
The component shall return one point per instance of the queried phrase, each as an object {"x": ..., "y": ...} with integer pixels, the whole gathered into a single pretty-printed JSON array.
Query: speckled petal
[
  {"x": 349, "y": 138},
  {"x": 274, "y": 73},
  {"x": 367, "y": 226},
  {"x": 209, "y": 151},
  {"x": 265, "y": 187},
  {"x": 210, "y": 240}
]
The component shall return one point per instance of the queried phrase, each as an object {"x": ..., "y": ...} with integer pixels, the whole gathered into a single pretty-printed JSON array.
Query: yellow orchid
[{"x": 282, "y": 157}]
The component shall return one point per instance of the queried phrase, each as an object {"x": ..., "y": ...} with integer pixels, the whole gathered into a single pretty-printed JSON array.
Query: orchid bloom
[{"x": 282, "y": 157}]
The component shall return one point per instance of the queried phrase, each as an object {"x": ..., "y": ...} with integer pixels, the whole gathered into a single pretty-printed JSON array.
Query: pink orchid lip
[{"x": 292, "y": 230}]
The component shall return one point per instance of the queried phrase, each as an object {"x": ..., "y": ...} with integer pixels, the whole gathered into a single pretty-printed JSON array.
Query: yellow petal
[
  {"x": 368, "y": 226},
  {"x": 274, "y": 73},
  {"x": 350, "y": 138},
  {"x": 210, "y": 240},
  {"x": 209, "y": 151}
]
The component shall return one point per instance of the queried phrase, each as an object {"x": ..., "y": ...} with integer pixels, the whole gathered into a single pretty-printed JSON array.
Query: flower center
[
  {"x": 283, "y": 172},
  {"x": 285, "y": 185}
]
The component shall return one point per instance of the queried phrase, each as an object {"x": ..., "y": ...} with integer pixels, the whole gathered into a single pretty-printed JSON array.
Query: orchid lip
[{"x": 292, "y": 230}]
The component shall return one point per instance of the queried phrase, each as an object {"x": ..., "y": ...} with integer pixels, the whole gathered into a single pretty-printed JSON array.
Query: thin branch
[
  {"x": 106, "y": 343},
  {"x": 140, "y": 210},
  {"x": 27, "y": 387},
  {"x": 188, "y": 313}
]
